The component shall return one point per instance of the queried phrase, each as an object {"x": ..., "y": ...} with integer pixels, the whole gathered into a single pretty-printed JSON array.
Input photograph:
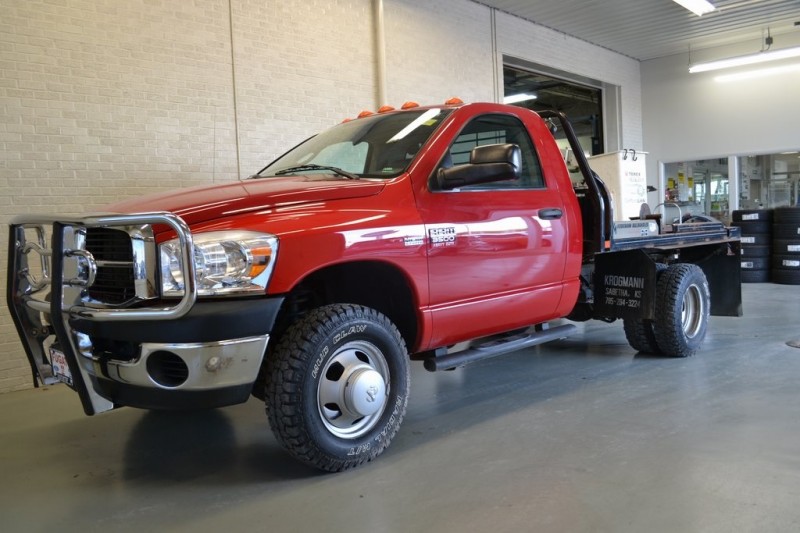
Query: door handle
[{"x": 550, "y": 213}]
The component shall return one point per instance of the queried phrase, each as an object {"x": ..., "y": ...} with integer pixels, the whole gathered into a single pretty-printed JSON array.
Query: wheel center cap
[{"x": 366, "y": 392}]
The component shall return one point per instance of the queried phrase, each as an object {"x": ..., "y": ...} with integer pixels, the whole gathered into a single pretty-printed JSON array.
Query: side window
[{"x": 498, "y": 129}]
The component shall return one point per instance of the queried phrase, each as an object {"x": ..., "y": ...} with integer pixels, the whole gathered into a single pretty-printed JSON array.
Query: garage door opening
[{"x": 583, "y": 104}]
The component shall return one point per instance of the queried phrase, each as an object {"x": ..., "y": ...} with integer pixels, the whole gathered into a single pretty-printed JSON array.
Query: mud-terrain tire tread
[
  {"x": 672, "y": 285},
  {"x": 289, "y": 369},
  {"x": 639, "y": 332},
  {"x": 640, "y": 336}
]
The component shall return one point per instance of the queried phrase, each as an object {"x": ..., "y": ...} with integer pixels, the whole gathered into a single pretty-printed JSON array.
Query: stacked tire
[
  {"x": 756, "y": 226},
  {"x": 786, "y": 246}
]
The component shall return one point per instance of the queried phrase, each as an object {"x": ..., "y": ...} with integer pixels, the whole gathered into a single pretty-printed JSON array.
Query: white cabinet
[{"x": 624, "y": 173}]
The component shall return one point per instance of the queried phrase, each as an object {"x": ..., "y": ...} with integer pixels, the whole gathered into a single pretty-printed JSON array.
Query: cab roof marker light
[
  {"x": 365, "y": 113},
  {"x": 454, "y": 101},
  {"x": 409, "y": 105},
  {"x": 385, "y": 109}
]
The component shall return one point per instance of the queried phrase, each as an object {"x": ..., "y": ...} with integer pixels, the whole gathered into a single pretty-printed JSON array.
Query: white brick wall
[
  {"x": 436, "y": 49},
  {"x": 106, "y": 99},
  {"x": 301, "y": 66},
  {"x": 521, "y": 39}
]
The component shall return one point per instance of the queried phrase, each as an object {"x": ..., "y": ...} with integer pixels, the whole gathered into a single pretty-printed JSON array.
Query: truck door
[{"x": 497, "y": 251}]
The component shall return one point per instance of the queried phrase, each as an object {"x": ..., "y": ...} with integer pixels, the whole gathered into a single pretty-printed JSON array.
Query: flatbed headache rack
[
  {"x": 599, "y": 225},
  {"x": 714, "y": 247}
]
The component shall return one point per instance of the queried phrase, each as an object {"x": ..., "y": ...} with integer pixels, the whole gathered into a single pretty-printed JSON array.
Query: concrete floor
[{"x": 578, "y": 435}]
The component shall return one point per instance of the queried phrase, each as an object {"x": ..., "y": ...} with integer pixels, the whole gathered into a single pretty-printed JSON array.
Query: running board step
[{"x": 498, "y": 346}]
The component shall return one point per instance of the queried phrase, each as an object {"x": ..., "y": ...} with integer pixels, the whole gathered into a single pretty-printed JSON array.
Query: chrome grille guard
[
  {"x": 67, "y": 269},
  {"x": 25, "y": 286}
]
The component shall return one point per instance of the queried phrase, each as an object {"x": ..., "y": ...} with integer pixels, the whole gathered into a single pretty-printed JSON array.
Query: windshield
[{"x": 378, "y": 146}]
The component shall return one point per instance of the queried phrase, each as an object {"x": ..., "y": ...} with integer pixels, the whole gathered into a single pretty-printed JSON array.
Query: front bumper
[
  {"x": 149, "y": 353},
  {"x": 208, "y": 358}
]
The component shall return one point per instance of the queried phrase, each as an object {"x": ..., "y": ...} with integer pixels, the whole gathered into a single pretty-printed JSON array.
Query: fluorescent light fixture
[
  {"x": 760, "y": 57},
  {"x": 419, "y": 121},
  {"x": 760, "y": 73},
  {"x": 517, "y": 98},
  {"x": 698, "y": 7}
]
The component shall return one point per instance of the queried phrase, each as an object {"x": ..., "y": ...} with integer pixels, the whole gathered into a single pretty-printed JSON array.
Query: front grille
[{"x": 113, "y": 254}]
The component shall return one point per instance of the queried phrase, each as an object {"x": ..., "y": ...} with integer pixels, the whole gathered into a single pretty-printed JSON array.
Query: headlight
[{"x": 226, "y": 262}]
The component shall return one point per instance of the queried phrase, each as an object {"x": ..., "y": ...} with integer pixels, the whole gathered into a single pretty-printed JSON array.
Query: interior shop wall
[
  {"x": 102, "y": 100},
  {"x": 436, "y": 49},
  {"x": 691, "y": 116},
  {"x": 518, "y": 38}
]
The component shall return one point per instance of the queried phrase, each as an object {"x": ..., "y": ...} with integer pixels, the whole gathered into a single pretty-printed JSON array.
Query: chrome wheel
[
  {"x": 353, "y": 389},
  {"x": 692, "y": 311},
  {"x": 683, "y": 302},
  {"x": 337, "y": 386}
]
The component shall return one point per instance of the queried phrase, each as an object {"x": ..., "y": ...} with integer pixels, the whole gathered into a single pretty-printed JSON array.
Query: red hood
[{"x": 200, "y": 204}]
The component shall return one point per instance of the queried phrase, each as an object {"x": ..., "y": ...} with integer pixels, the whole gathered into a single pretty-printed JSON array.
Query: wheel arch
[{"x": 379, "y": 285}]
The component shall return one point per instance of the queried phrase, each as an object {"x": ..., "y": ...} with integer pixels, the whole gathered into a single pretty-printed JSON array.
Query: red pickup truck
[{"x": 445, "y": 234}]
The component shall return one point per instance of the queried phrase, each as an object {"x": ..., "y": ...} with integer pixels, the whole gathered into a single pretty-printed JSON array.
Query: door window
[{"x": 497, "y": 129}]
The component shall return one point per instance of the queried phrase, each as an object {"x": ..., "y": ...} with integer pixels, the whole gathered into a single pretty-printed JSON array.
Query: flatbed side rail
[{"x": 667, "y": 241}]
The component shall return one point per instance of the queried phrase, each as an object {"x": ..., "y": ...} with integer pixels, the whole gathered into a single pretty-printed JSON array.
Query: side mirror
[{"x": 487, "y": 164}]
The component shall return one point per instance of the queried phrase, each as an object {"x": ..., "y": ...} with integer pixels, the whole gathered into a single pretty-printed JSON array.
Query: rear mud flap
[
  {"x": 625, "y": 281},
  {"x": 624, "y": 285},
  {"x": 724, "y": 274}
]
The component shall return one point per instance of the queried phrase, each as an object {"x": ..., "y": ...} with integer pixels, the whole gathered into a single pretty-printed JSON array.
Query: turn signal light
[{"x": 261, "y": 259}]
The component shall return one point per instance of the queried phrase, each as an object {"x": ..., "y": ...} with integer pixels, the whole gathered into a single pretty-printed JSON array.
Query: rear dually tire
[{"x": 682, "y": 310}]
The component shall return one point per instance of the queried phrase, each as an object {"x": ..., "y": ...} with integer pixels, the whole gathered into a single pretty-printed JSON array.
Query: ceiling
[{"x": 647, "y": 29}]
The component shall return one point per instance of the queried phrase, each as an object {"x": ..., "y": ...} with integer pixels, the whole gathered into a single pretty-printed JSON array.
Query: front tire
[
  {"x": 337, "y": 386},
  {"x": 682, "y": 310}
]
